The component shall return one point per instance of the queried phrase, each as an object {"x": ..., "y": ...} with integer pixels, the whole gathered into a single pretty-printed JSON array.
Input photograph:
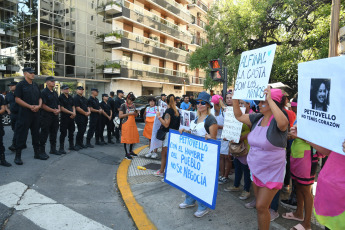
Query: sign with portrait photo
[
  {"x": 186, "y": 117},
  {"x": 320, "y": 112},
  {"x": 254, "y": 73}
]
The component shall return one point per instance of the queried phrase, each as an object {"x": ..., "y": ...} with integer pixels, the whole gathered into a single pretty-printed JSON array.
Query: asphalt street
[{"x": 73, "y": 191}]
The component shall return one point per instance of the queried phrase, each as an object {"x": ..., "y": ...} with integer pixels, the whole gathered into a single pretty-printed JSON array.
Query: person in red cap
[{"x": 266, "y": 158}]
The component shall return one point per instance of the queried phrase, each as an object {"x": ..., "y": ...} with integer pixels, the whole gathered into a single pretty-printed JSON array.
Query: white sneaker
[
  {"x": 184, "y": 205},
  {"x": 148, "y": 155},
  {"x": 200, "y": 214},
  {"x": 158, "y": 173},
  {"x": 154, "y": 155}
]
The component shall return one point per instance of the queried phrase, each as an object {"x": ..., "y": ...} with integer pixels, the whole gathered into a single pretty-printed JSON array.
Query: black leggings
[{"x": 130, "y": 148}]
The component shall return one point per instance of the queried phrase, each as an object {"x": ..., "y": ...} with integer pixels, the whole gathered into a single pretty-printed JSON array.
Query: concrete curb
[{"x": 137, "y": 212}]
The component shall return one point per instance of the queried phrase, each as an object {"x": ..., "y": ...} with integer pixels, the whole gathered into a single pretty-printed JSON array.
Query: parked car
[
  {"x": 141, "y": 104},
  {"x": 6, "y": 119}
]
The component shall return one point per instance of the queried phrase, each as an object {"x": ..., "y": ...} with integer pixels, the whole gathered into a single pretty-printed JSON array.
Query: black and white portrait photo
[{"x": 319, "y": 94}]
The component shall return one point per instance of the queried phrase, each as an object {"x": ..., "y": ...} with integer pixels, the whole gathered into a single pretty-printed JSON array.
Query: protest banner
[
  {"x": 192, "y": 166},
  {"x": 155, "y": 143},
  {"x": 320, "y": 111},
  {"x": 232, "y": 127},
  {"x": 186, "y": 117},
  {"x": 254, "y": 73}
]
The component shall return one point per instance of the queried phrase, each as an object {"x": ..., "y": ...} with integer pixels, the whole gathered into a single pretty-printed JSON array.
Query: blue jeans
[
  {"x": 239, "y": 169},
  {"x": 275, "y": 202},
  {"x": 190, "y": 200}
]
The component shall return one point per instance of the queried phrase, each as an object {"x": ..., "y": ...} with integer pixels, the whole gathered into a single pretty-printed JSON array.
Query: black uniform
[
  {"x": 49, "y": 121},
  {"x": 14, "y": 108},
  {"x": 118, "y": 103},
  {"x": 2, "y": 134},
  {"x": 111, "y": 103},
  {"x": 27, "y": 119},
  {"x": 80, "y": 119},
  {"x": 105, "y": 121},
  {"x": 66, "y": 123},
  {"x": 94, "y": 125}
]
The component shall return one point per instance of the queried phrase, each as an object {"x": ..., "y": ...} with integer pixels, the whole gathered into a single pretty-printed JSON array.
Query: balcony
[
  {"x": 151, "y": 46},
  {"x": 198, "y": 41},
  {"x": 110, "y": 68},
  {"x": 111, "y": 7},
  {"x": 198, "y": 81},
  {"x": 140, "y": 71},
  {"x": 173, "y": 7},
  {"x": 198, "y": 24},
  {"x": 147, "y": 19},
  {"x": 8, "y": 64},
  {"x": 111, "y": 38},
  {"x": 199, "y": 5}
]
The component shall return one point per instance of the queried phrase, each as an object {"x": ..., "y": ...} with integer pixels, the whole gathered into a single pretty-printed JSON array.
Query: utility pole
[{"x": 333, "y": 35}]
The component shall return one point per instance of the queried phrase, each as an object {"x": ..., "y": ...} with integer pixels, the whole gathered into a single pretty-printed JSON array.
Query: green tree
[
  {"x": 47, "y": 62},
  {"x": 299, "y": 28}
]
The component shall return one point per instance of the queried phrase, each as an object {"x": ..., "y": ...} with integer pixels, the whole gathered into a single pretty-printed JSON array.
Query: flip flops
[
  {"x": 299, "y": 227},
  {"x": 290, "y": 216}
]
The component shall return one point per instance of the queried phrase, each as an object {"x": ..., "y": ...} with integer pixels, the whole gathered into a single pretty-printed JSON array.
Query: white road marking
[{"x": 43, "y": 211}]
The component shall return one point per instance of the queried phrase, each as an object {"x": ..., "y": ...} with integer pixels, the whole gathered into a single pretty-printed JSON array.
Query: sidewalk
[{"x": 160, "y": 203}]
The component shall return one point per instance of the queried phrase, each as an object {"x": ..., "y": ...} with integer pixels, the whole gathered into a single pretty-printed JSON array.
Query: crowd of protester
[{"x": 271, "y": 158}]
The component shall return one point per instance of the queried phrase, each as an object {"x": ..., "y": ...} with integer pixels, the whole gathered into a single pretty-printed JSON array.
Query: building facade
[{"x": 136, "y": 45}]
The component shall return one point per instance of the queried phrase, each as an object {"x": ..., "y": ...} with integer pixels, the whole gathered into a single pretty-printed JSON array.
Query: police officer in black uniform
[
  {"x": 106, "y": 118},
  {"x": 49, "y": 116},
  {"x": 28, "y": 97},
  {"x": 12, "y": 109},
  {"x": 111, "y": 103},
  {"x": 3, "y": 161},
  {"x": 68, "y": 114},
  {"x": 94, "y": 125},
  {"x": 81, "y": 119},
  {"x": 118, "y": 102}
]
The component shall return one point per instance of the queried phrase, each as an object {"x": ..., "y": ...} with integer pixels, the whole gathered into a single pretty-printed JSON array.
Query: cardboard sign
[
  {"x": 254, "y": 73},
  {"x": 320, "y": 110},
  {"x": 232, "y": 127},
  {"x": 186, "y": 117},
  {"x": 192, "y": 166}
]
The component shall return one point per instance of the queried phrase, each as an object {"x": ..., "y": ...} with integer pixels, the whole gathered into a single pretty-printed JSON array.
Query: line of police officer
[{"x": 39, "y": 111}]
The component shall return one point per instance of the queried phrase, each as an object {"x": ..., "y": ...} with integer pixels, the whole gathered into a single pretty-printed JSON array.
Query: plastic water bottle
[{"x": 141, "y": 168}]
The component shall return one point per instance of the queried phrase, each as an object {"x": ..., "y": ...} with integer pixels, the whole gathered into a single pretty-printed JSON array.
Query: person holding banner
[
  {"x": 169, "y": 120},
  {"x": 204, "y": 125},
  {"x": 329, "y": 205},
  {"x": 150, "y": 115},
  {"x": 224, "y": 162},
  {"x": 266, "y": 158},
  {"x": 130, "y": 134},
  {"x": 241, "y": 165}
]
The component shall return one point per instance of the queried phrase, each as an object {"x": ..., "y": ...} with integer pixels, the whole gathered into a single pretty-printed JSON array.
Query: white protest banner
[
  {"x": 155, "y": 143},
  {"x": 254, "y": 73},
  {"x": 320, "y": 109},
  {"x": 186, "y": 117},
  {"x": 192, "y": 166},
  {"x": 232, "y": 127}
]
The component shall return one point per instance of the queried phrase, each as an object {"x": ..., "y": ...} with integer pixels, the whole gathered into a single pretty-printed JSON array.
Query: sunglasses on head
[{"x": 201, "y": 102}]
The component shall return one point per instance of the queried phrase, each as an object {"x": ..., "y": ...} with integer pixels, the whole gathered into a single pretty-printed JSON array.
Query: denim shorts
[{"x": 166, "y": 140}]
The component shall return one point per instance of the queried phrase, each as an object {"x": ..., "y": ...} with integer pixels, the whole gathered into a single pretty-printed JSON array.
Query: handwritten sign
[
  {"x": 320, "y": 110},
  {"x": 254, "y": 73},
  {"x": 186, "y": 117},
  {"x": 192, "y": 166},
  {"x": 232, "y": 127},
  {"x": 155, "y": 143}
]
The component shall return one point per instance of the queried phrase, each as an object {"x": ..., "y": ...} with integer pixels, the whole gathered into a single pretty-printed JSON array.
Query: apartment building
[
  {"x": 150, "y": 43},
  {"x": 136, "y": 45}
]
